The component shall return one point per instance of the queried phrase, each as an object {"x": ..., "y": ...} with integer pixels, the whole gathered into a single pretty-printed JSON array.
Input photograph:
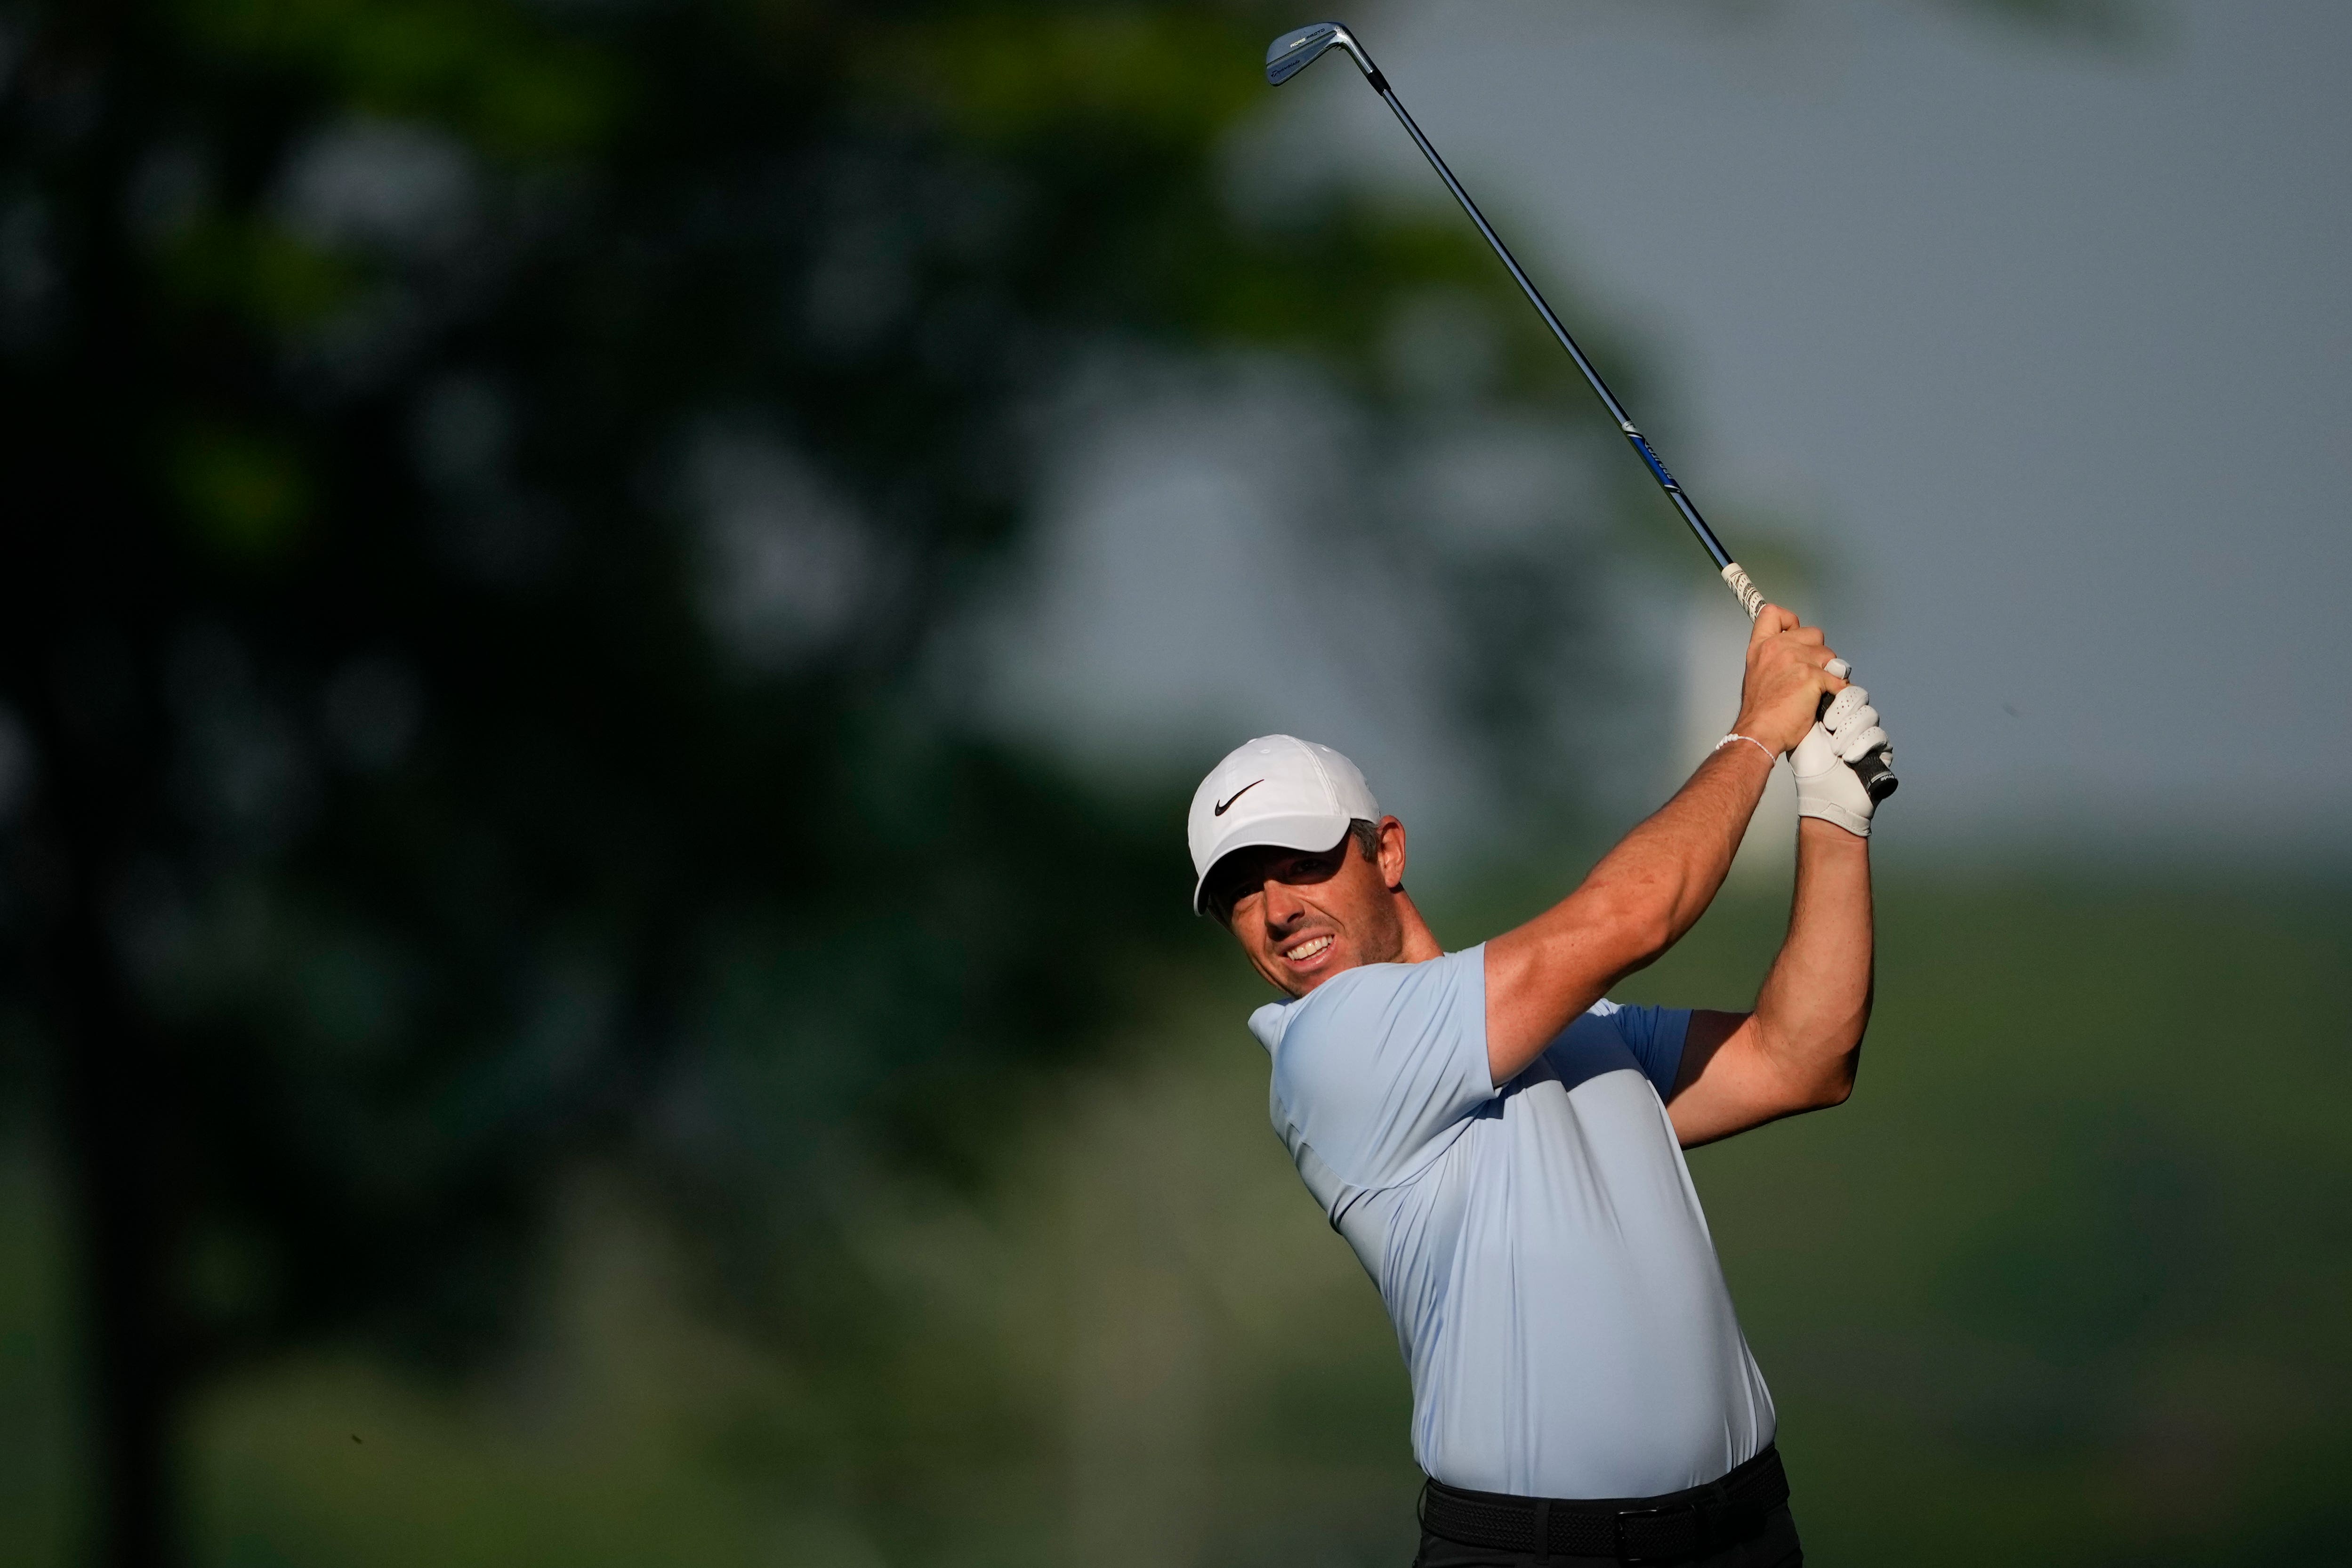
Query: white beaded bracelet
[{"x": 1751, "y": 740}]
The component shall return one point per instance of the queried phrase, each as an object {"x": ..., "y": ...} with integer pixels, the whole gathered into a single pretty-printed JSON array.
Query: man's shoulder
[
  {"x": 1372, "y": 997},
  {"x": 1377, "y": 1068}
]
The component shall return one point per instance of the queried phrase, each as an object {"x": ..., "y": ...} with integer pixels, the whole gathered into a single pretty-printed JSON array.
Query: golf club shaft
[
  {"x": 1876, "y": 777},
  {"x": 1713, "y": 546}
]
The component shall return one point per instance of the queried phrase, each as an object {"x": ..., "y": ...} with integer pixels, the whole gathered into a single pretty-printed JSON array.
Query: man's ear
[{"x": 1392, "y": 853}]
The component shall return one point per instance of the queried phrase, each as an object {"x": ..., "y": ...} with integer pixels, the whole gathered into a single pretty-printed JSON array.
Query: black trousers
[{"x": 1774, "y": 1545}]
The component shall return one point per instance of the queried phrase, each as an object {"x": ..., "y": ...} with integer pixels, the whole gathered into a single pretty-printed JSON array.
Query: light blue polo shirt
[{"x": 1538, "y": 1246}]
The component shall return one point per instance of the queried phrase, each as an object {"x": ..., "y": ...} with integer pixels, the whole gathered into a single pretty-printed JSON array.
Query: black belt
[{"x": 1665, "y": 1528}]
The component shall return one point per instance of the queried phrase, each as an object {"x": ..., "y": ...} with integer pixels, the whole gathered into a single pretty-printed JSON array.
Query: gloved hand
[{"x": 1846, "y": 732}]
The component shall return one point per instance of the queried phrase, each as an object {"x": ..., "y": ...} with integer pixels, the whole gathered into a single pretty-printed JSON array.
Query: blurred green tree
[{"x": 485, "y": 480}]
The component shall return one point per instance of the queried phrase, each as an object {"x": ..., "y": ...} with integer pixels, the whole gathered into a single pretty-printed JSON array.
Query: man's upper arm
[
  {"x": 1726, "y": 1083},
  {"x": 1542, "y": 977}
]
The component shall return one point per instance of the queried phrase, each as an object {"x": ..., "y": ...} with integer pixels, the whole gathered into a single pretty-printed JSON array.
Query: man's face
[{"x": 1304, "y": 916}]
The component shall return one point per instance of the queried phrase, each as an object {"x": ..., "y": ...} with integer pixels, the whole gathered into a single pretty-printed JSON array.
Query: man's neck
[{"x": 1420, "y": 943}]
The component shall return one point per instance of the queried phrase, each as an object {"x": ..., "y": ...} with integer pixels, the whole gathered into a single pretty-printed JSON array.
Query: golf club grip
[
  {"x": 1878, "y": 776},
  {"x": 1878, "y": 780}
]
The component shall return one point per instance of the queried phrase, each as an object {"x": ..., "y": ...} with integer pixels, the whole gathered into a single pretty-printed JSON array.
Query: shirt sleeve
[
  {"x": 1380, "y": 1067},
  {"x": 1654, "y": 1036}
]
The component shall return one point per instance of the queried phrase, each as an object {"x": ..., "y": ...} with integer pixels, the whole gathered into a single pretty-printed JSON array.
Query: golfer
[{"x": 1501, "y": 1144}]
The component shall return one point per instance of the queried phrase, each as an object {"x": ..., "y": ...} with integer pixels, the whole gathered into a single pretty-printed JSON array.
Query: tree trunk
[
  {"x": 116, "y": 1086},
  {"x": 116, "y": 1125}
]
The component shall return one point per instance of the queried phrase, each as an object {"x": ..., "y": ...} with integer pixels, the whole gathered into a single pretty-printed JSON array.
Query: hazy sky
[
  {"x": 2046, "y": 342},
  {"x": 2053, "y": 340}
]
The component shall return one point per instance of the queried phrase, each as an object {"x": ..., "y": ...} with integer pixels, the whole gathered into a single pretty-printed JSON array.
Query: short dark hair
[{"x": 1367, "y": 836}]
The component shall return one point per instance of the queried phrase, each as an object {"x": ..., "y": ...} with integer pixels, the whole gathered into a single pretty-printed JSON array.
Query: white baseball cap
[{"x": 1279, "y": 790}]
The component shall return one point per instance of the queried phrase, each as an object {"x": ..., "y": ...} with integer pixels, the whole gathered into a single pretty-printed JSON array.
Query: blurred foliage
[
  {"x": 490, "y": 482},
  {"x": 2070, "y": 1270},
  {"x": 493, "y": 485},
  {"x": 2104, "y": 23},
  {"x": 2101, "y": 21}
]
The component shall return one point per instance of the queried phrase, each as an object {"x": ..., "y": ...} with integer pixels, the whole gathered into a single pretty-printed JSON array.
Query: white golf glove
[{"x": 1826, "y": 787}]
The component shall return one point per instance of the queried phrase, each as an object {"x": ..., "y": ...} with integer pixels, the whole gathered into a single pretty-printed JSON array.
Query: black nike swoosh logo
[{"x": 1236, "y": 795}]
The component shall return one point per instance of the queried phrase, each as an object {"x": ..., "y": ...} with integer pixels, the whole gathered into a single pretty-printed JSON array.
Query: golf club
[{"x": 1302, "y": 46}]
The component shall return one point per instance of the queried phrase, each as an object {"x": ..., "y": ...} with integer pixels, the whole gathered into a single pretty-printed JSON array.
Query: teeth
[{"x": 1306, "y": 950}]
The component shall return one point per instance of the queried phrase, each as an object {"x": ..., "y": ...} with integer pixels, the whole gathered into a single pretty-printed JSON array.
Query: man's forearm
[
  {"x": 1663, "y": 875},
  {"x": 1815, "y": 1003},
  {"x": 1653, "y": 886},
  {"x": 1636, "y": 905}
]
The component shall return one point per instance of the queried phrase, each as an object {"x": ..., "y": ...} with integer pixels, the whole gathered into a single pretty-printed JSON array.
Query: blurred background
[{"x": 610, "y": 607}]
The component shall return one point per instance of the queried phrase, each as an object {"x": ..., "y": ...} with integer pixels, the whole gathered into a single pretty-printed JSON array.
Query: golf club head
[{"x": 1302, "y": 46}]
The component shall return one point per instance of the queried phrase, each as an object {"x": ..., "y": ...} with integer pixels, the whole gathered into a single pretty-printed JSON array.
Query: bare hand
[{"x": 1788, "y": 674}]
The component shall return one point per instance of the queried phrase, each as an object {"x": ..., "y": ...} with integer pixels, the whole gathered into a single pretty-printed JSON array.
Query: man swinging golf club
[{"x": 1501, "y": 1144}]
